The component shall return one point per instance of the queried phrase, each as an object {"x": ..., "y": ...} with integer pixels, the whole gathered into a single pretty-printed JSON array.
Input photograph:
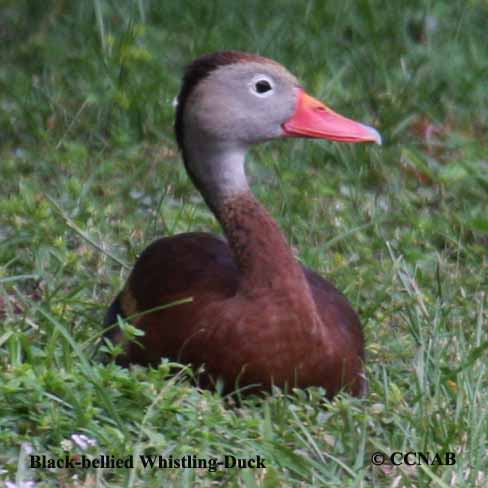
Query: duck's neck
[{"x": 259, "y": 247}]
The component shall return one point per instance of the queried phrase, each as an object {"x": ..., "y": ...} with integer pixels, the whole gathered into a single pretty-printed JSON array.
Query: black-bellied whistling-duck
[{"x": 257, "y": 317}]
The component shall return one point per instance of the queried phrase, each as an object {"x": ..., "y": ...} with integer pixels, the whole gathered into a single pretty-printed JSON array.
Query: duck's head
[
  {"x": 230, "y": 100},
  {"x": 233, "y": 96}
]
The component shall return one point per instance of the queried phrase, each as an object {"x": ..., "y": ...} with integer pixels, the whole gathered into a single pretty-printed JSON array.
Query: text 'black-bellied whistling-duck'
[{"x": 257, "y": 317}]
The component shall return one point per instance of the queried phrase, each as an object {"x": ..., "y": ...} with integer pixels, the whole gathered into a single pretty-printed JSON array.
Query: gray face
[{"x": 241, "y": 104}]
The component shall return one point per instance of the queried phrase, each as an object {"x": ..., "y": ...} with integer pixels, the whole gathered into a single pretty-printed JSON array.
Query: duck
[{"x": 242, "y": 310}]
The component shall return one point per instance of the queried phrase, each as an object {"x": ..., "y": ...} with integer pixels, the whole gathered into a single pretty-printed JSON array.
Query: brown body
[
  {"x": 271, "y": 321},
  {"x": 256, "y": 318}
]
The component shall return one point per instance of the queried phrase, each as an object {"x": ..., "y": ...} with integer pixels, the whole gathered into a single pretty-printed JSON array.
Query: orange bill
[{"x": 314, "y": 119}]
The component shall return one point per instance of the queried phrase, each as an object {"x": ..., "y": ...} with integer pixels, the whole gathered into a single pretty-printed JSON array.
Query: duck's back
[{"x": 183, "y": 274}]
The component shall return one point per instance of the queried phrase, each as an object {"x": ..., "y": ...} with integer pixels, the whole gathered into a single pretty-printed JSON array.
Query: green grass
[{"x": 90, "y": 174}]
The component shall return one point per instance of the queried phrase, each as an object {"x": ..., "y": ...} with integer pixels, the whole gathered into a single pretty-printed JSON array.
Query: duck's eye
[{"x": 263, "y": 86}]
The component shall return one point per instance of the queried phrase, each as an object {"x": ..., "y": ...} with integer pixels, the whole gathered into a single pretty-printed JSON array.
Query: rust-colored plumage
[{"x": 257, "y": 317}]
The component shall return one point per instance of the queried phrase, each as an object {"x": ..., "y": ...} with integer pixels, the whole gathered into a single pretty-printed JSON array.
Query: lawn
[{"x": 90, "y": 174}]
